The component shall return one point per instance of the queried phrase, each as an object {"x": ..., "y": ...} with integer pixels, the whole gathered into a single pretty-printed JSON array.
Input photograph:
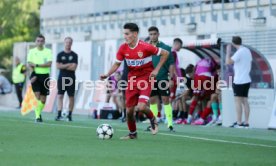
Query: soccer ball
[
  {"x": 105, "y": 131},
  {"x": 64, "y": 114}
]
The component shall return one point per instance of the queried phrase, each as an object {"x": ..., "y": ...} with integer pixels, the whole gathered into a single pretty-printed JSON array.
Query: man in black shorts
[
  {"x": 67, "y": 62},
  {"x": 162, "y": 84},
  {"x": 242, "y": 60},
  {"x": 40, "y": 61}
]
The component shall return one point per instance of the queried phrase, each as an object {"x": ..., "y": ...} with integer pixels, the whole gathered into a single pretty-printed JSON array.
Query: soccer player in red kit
[{"x": 137, "y": 54}]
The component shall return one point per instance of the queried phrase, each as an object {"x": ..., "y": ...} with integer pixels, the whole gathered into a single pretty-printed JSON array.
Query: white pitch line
[{"x": 165, "y": 134}]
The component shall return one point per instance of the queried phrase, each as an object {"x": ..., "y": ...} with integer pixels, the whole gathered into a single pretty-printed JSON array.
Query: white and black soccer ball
[
  {"x": 105, "y": 131},
  {"x": 64, "y": 114}
]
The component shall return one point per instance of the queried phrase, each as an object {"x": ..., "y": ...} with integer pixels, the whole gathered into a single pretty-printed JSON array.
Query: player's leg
[
  {"x": 131, "y": 124},
  {"x": 214, "y": 105},
  {"x": 71, "y": 93},
  {"x": 40, "y": 105},
  {"x": 246, "y": 111},
  {"x": 61, "y": 91},
  {"x": 246, "y": 104},
  {"x": 108, "y": 96},
  {"x": 36, "y": 110},
  {"x": 44, "y": 91},
  {"x": 207, "y": 110},
  {"x": 142, "y": 106},
  {"x": 60, "y": 106},
  {"x": 36, "y": 89},
  {"x": 18, "y": 89},
  {"x": 192, "y": 108},
  {"x": 131, "y": 101},
  {"x": 238, "y": 103},
  {"x": 154, "y": 100},
  {"x": 124, "y": 105},
  {"x": 71, "y": 107}
]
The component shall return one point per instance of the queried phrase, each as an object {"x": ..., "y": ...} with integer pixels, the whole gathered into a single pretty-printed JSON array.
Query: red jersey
[{"x": 138, "y": 59}]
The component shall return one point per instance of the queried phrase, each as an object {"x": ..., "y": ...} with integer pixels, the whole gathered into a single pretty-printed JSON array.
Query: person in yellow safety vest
[
  {"x": 18, "y": 79},
  {"x": 40, "y": 61}
]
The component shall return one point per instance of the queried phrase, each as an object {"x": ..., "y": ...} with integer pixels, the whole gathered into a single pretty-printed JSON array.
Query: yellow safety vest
[{"x": 17, "y": 76}]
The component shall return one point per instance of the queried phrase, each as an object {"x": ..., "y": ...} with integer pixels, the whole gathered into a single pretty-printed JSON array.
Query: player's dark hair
[
  {"x": 237, "y": 40},
  {"x": 218, "y": 67},
  {"x": 153, "y": 28},
  {"x": 68, "y": 37},
  {"x": 132, "y": 27},
  {"x": 41, "y": 36},
  {"x": 190, "y": 68},
  {"x": 183, "y": 72},
  {"x": 178, "y": 40}
]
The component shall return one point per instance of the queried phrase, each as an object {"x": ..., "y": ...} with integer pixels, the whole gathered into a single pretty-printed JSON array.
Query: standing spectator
[
  {"x": 242, "y": 66},
  {"x": 18, "y": 78},
  {"x": 67, "y": 63}
]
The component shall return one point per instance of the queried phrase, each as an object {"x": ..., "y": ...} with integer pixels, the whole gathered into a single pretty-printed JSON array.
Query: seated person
[
  {"x": 204, "y": 71},
  {"x": 187, "y": 94},
  {"x": 213, "y": 106},
  {"x": 5, "y": 85}
]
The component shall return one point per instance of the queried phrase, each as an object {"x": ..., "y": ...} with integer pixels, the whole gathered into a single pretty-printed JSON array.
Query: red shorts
[
  {"x": 200, "y": 90},
  {"x": 138, "y": 92}
]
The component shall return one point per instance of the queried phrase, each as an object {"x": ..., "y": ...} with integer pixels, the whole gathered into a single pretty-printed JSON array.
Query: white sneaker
[
  {"x": 189, "y": 119},
  {"x": 212, "y": 122},
  {"x": 219, "y": 121}
]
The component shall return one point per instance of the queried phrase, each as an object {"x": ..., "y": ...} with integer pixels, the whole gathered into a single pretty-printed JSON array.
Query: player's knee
[
  {"x": 142, "y": 107},
  {"x": 214, "y": 97},
  {"x": 166, "y": 100}
]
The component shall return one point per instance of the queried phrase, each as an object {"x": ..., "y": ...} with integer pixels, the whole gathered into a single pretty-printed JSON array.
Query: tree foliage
[{"x": 19, "y": 21}]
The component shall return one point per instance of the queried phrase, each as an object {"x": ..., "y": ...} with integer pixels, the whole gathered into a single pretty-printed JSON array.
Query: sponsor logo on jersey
[{"x": 135, "y": 62}]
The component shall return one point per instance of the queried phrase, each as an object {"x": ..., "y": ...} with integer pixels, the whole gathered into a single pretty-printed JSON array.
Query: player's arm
[
  {"x": 229, "y": 61},
  {"x": 72, "y": 66},
  {"x": 47, "y": 64},
  {"x": 164, "y": 56},
  {"x": 113, "y": 69},
  {"x": 62, "y": 66},
  {"x": 31, "y": 65}
]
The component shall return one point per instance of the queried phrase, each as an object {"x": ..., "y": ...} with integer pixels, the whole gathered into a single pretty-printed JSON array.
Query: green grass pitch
[{"x": 23, "y": 142}]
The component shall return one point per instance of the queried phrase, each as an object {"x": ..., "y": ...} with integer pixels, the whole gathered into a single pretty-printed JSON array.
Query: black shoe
[
  {"x": 245, "y": 125},
  {"x": 171, "y": 129},
  {"x": 233, "y": 125},
  {"x": 58, "y": 118},
  {"x": 123, "y": 120},
  {"x": 69, "y": 118},
  {"x": 236, "y": 125},
  {"x": 39, "y": 120}
]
